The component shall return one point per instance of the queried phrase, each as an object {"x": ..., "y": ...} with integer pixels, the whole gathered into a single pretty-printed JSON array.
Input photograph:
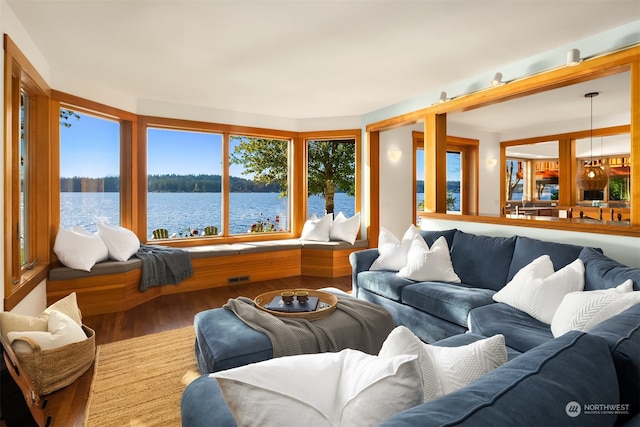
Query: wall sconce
[
  {"x": 492, "y": 163},
  {"x": 573, "y": 57},
  {"x": 394, "y": 155},
  {"x": 497, "y": 80},
  {"x": 443, "y": 97}
]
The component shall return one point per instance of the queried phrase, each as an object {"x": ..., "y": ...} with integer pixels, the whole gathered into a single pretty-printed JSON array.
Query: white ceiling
[{"x": 301, "y": 59}]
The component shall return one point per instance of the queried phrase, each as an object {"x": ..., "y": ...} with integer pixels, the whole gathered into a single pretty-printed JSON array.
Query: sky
[{"x": 91, "y": 148}]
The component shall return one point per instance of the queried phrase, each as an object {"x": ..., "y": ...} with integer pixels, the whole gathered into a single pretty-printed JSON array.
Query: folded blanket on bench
[
  {"x": 299, "y": 336},
  {"x": 163, "y": 265}
]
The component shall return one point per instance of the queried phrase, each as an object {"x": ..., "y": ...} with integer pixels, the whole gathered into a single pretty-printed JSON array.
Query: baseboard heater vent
[{"x": 237, "y": 279}]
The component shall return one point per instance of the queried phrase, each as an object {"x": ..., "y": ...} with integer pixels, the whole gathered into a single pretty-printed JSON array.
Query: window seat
[{"x": 113, "y": 286}]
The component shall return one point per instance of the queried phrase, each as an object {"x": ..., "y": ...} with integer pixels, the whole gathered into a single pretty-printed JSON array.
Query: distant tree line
[
  {"x": 452, "y": 186},
  {"x": 169, "y": 183}
]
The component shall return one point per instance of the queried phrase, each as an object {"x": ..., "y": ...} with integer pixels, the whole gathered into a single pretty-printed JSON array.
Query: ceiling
[{"x": 301, "y": 59}]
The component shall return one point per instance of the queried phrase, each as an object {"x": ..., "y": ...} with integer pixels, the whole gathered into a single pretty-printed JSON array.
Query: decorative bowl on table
[{"x": 272, "y": 303}]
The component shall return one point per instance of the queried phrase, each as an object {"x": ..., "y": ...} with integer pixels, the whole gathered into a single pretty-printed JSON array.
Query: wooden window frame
[
  {"x": 305, "y": 137},
  {"x": 21, "y": 278},
  {"x": 468, "y": 149}
]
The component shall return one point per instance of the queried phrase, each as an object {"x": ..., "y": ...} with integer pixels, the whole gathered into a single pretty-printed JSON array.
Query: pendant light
[{"x": 591, "y": 177}]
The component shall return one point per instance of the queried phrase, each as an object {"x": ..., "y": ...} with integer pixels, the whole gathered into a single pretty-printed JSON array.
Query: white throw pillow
[
  {"x": 79, "y": 250},
  {"x": 538, "y": 291},
  {"x": 121, "y": 242},
  {"x": 349, "y": 388},
  {"x": 392, "y": 252},
  {"x": 317, "y": 229},
  {"x": 62, "y": 330},
  {"x": 345, "y": 229},
  {"x": 583, "y": 310},
  {"x": 446, "y": 369},
  {"x": 424, "y": 263}
]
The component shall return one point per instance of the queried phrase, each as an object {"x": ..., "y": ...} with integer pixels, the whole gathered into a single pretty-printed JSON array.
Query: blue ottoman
[{"x": 223, "y": 341}]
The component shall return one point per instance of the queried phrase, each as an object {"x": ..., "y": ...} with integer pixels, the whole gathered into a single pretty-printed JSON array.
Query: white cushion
[
  {"x": 392, "y": 252},
  {"x": 424, "y": 263},
  {"x": 121, "y": 242},
  {"x": 62, "y": 330},
  {"x": 349, "y": 388},
  {"x": 68, "y": 306},
  {"x": 583, "y": 310},
  {"x": 446, "y": 369},
  {"x": 79, "y": 250},
  {"x": 317, "y": 229},
  {"x": 345, "y": 229},
  {"x": 538, "y": 291}
]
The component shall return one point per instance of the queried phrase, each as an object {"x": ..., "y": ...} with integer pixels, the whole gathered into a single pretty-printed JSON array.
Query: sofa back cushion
[
  {"x": 546, "y": 386},
  {"x": 527, "y": 249},
  {"x": 431, "y": 236},
  {"x": 482, "y": 261},
  {"x": 622, "y": 334},
  {"x": 601, "y": 272}
]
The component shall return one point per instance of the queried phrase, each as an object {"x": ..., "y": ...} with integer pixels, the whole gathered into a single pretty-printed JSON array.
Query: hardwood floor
[{"x": 66, "y": 407}]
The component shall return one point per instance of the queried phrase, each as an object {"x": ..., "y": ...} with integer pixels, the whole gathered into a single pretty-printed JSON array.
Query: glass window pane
[
  {"x": 454, "y": 178},
  {"x": 259, "y": 185},
  {"x": 89, "y": 170},
  {"x": 419, "y": 158},
  {"x": 24, "y": 184},
  {"x": 184, "y": 182},
  {"x": 331, "y": 180}
]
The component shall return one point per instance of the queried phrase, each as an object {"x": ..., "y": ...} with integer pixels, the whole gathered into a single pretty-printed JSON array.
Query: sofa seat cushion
[
  {"x": 202, "y": 404},
  {"x": 521, "y": 331},
  {"x": 384, "y": 283},
  {"x": 482, "y": 261},
  {"x": 526, "y": 250},
  {"x": 447, "y": 301},
  {"x": 602, "y": 272},
  {"x": 538, "y": 388},
  {"x": 622, "y": 334}
]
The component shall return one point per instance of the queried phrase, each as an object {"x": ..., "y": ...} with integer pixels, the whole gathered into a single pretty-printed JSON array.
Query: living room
[{"x": 388, "y": 182}]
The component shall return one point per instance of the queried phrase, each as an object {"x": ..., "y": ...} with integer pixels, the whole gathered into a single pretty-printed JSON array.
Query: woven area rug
[{"x": 139, "y": 381}]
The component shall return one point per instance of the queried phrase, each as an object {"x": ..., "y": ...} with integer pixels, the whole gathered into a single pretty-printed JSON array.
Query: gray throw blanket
[
  {"x": 355, "y": 324},
  {"x": 163, "y": 265}
]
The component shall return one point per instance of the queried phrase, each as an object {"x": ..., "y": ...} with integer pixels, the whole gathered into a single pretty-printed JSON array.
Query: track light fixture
[
  {"x": 573, "y": 57},
  {"x": 497, "y": 80}
]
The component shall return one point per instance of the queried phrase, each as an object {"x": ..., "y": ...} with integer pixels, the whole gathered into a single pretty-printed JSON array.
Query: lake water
[{"x": 178, "y": 211}]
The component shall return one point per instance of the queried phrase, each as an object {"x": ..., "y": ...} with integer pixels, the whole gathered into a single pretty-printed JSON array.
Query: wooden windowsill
[
  {"x": 619, "y": 228},
  {"x": 28, "y": 282}
]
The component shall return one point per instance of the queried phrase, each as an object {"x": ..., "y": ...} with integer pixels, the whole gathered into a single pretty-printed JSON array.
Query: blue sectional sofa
[{"x": 580, "y": 378}]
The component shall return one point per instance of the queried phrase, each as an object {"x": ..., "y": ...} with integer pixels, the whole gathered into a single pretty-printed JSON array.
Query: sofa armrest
[{"x": 361, "y": 261}]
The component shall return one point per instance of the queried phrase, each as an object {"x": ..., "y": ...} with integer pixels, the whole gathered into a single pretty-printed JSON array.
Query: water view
[{"x": 178, "y": 212}]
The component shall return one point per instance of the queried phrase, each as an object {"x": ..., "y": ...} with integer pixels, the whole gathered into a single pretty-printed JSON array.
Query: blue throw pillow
[
  {"x": 601, "y": 272},
  {"x": 527, "y": 250},
  {"x": 482, "y": 261}
]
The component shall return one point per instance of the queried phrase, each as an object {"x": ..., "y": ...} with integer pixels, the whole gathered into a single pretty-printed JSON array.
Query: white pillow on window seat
[
  {"x": 345, "y": 229},
  {"x": 79, "y": 249},
  {"x": 122, "y": 243},
  {"x": 317, "y": 229}
]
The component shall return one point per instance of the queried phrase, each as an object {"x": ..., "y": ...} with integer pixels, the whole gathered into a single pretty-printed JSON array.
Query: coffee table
[{"x": 223, "y": 341}]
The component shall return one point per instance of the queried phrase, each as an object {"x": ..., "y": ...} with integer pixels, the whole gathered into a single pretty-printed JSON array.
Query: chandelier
[{"x": 591, "y": 177}]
